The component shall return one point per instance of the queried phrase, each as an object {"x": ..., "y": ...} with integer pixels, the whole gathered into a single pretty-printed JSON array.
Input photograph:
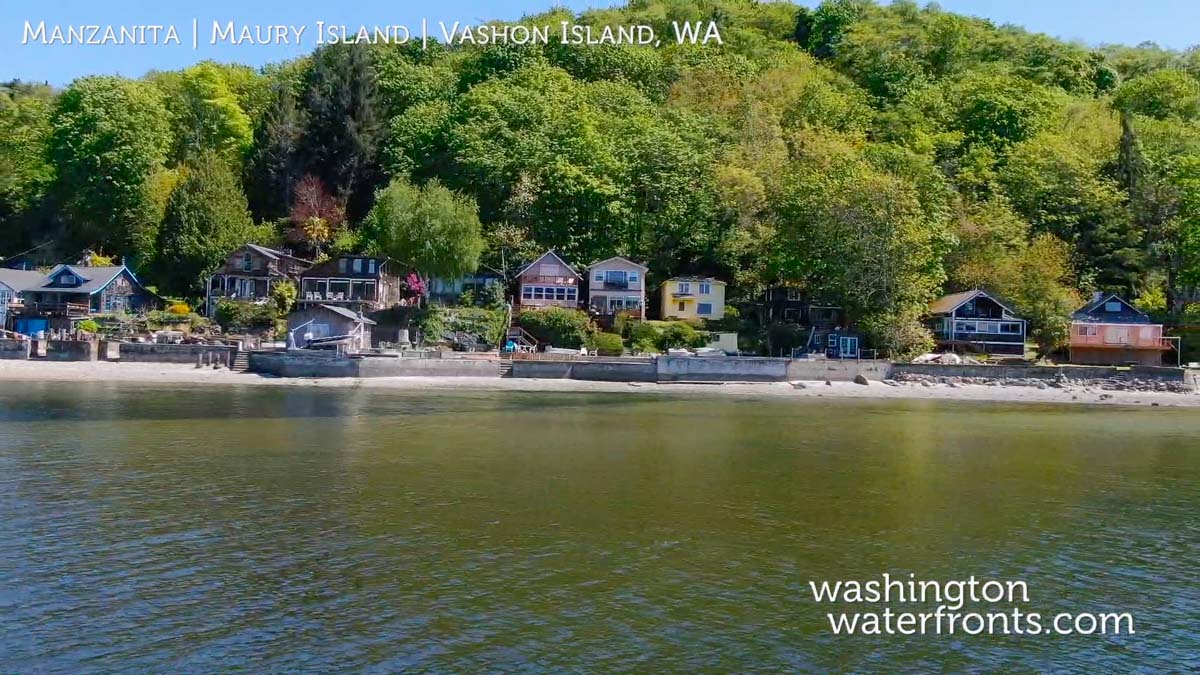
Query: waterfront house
[
  {"x": 693, "y": 298},
  {"x": 448, "y": 291},
  {"x": 327, "y": 326},
  {"x": 617, "y": 285},
  {"x": 361, "y": 284},
  {"x": 791, "y": 304},
  {"x": 976, "y": 321},
  {"x": 68, "y": 294},
  {"x": 13, "y": 285},
  {"x": 250, "y": 272},
  {"x": 548, "y": 281},
  {"x": 1110, "y": 331}
]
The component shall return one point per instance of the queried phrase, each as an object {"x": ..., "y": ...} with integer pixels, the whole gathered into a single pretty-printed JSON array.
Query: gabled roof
[
  {"x": 622, "y": 259},
  {"x": 21, "y": 280},
  {"x": 543, "y": 257},
  {"x": 706, "y": 280},
  {"x": 275, "y": 254},
  {"x": 348, "y": 314},
  {"x": 1128, "y": 313},
  {"x": 94, "y": 279},
  {"x": 948, "y": 303},
  {"x": 329, "y": 269}
]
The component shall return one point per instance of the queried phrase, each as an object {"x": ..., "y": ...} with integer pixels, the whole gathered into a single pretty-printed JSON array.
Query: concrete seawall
[
  {"x": 1001, "y": 373},
  {"x": 14, "y": 349},
  {"x": 615, "y": 370},
  {"x": 66, "y": 350},
  {"x": 137, "y": 352},
  {"x": 315, "y": 364}
]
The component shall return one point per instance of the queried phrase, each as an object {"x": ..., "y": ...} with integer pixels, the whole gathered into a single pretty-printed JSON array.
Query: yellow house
[{"x": 693, "y": 298}]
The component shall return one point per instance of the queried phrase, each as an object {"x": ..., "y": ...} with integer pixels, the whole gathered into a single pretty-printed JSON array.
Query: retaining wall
[
  {"x": 14, "y": 349},
  {"x": 721, "y": 369},
  {"x": 837, "y": 370},
  {"x": 1043, "y": 372},
  {"x": 602, "y": 371},
  {"x": 139, "y": 352},
  {"x": 317, "y": 364},
  {"x": 71, "y": 350}
]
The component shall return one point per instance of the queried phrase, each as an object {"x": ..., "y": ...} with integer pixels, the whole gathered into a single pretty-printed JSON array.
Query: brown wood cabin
[
  {"x": 548, "y": 281},
  {"x": 361, "y": 283},
  {"x": 250, "y": 272}
]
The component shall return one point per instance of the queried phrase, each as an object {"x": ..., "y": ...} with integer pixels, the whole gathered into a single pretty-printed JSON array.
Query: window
[
  {"x": 704, "y": 308},
  {"x": 681, "y": 306},
  {"x": 371, "y": 267},
  {"x": 358, "y": 265},
  {"x": 633, "y": 277},
  {"x": 67, "y": 280},
  {"x": 617, "y": 278},
  {"x": 1112, "y": 306},
  {"x": 793, "y": 294},
  {"x": 247, "y": 262},
  {"x": 560, "y": 293},
  {"x": 527, "y": 292},
  {"x": 967, "y": 328},
  {"x": 539, "y": 293},
  {"x": 685, "y": 287},
  {"x": 833, "y": 339},
  {"x": 1086, "y": 330},
  {"x": 1010, "y": 328},
  {"x": 599, "y": 275},
  {"x": 705, "y": 289},
  {"x": 572, "y": 294},
  {"x": 342, "y": 265}
]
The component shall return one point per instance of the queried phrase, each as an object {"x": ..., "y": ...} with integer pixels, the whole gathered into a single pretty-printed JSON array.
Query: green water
[{"x": 291, "y": 529}]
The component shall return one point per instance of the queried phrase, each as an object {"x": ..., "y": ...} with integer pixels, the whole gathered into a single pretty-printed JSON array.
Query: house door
[{"x": 848, "y": 348}]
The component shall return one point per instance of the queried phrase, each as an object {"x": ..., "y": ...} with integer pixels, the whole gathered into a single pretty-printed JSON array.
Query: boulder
[{"x": 861, "y": 379}]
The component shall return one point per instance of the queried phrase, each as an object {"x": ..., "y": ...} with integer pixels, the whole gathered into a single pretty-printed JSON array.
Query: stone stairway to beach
[{"x": 241, "y": 362}]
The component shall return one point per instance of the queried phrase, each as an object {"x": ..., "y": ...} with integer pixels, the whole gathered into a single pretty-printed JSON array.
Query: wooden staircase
[
  {"x": 241, "y": 362},
  {"x": 506, "y": 367}
]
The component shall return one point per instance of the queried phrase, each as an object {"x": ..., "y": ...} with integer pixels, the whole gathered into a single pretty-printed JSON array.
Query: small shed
[{"x": 316, "y": 325}]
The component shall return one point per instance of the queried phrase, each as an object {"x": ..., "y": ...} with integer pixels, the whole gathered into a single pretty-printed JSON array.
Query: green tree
[
  {"x": 108, "y": 138},
  {"x": 207, "y": 114},
  {"x": 1163, "y": 94},
  {"x": 206, "y": 218},
  {"x": 430, "y": 229},
  {"x": 342, "y": 138}
]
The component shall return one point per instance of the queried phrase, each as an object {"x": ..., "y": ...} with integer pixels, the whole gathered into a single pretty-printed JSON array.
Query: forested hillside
[{"x": 875, "y": 156}]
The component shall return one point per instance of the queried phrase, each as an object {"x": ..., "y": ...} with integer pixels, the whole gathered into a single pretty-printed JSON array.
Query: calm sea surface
[{"x": 290, "y": 529}]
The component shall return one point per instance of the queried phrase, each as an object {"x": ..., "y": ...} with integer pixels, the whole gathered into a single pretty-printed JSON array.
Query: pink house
[{"x": 548, "y": 281}]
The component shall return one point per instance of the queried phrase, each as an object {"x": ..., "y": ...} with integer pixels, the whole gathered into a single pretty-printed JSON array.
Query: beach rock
[
  {"x": 828, "y": 383},
  {"x": 861, "y": 379},
  {"x": 799, "y": 385}
]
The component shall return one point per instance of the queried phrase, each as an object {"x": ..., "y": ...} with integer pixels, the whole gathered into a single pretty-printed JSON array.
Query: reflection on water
[{"x": 288, "y": 528}]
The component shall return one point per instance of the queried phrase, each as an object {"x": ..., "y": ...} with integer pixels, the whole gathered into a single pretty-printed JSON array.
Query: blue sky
[{"x": 1171, "y": 23}]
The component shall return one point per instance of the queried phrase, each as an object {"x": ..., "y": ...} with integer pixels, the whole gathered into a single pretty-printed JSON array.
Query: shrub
[
  {"x": 284, "y": 295},
  {"x": 179, "y": 308},
  {"x": 239, "y": 316},
  {"x": 607, "y": 344},
  {"x": 557, "y": 326},
  {"x": 681, "y": 334},
  {"x": 88, "y": 326}
]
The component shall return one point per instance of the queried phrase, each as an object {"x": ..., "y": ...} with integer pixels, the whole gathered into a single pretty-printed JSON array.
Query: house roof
[
  {"x": 1128, "y": 313},
  {"x": 329, "y": 268},
  {"x": 622, "y": 259},
  {"x": 21, "y": 280},
  {"x": 94, "y": 279},
  {"x": 707, "y": 280},
  {"x": 275, "y": 254},
  {"x": 348, "y": 314},
  {"x": 948, "y": 303},
  {"x": 543, "y": 257}
]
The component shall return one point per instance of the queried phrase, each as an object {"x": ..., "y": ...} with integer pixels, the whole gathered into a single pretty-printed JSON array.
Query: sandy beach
[{"x": 18, "y": 371}]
